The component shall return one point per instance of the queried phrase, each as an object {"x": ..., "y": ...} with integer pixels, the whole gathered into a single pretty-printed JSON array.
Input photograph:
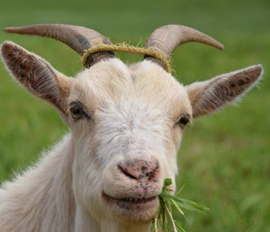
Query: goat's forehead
[{"x": 112, "y": 81}]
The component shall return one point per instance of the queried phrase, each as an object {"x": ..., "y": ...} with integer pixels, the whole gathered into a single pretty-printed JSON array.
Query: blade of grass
[
  {"x": 179, "y": 227},
  {"x": 168, "y": 195},
  {"x": 156, "y": 224},
  {"x": 178, "y": 209},
  {"x": 180, "y": 190},
  {"x": 193, "y": 205},
  {"x": 171, "y": 218}
]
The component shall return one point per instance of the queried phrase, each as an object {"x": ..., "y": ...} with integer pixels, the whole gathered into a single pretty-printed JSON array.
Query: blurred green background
[{"x": 224, "y": 159}]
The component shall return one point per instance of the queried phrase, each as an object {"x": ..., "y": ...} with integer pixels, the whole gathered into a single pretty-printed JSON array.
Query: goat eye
[
  {"x": 184, "y": 120},
  {"x": 76, "y": 112}
]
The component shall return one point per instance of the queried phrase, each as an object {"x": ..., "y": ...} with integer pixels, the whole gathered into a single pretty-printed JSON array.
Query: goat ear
[
  {"x": 36, "y": 75},
  {"x": 208, "y": 96}
]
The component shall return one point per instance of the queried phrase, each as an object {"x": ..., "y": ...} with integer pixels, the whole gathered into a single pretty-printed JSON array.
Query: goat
[{"x": 126, "y": 124}]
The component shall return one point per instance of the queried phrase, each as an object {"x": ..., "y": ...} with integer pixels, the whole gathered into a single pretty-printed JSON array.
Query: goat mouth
[{"x": 133, "y": 203}]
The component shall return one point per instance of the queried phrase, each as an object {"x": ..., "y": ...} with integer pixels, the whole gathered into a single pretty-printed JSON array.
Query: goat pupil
[
  {"x": 76, "y": 112},
  {"x": 184, "y": 120}
]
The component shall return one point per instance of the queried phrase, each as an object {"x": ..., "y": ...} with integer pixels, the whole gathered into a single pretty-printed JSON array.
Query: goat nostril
[{"x": 125, "y": 171}]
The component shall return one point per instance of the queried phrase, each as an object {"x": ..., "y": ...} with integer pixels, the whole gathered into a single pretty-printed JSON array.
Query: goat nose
[{"x": 141, "y": 170}]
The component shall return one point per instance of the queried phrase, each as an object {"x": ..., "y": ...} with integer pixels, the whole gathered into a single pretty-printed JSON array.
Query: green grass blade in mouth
[
  {"x": 178, "y": 209},
  {"x": 169, "y": 212},
  {"x": 170, "y": 196},
  {"x": 169, "y": 201},
  {"x": 195, "y": 206}
]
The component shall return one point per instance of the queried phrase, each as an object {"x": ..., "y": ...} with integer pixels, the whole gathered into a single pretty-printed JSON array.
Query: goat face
[
  {"x": 126, "y": 122},
  {"x": 127, "y": 136}
]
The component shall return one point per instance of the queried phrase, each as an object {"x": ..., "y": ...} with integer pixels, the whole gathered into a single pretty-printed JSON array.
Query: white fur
[
  {"x": 133, "y": 118},
  {"x": 133, "y": 111}
]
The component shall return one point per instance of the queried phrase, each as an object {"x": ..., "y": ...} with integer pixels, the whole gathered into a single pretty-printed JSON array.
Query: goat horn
[
  {"x": 78, "y": 38},
  {"x": 166, "y": 38}
]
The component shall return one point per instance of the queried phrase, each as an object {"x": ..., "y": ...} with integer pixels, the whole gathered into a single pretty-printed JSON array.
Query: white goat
[{"x": 126, "y": 125}]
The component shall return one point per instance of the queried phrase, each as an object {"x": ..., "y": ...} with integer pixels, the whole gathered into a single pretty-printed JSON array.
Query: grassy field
[{"x": 224, "y": 159}]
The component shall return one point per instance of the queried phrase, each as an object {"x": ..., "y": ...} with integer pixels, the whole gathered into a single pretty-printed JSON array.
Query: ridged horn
[
  {"x": 166, "y": 38},
  {"x": 78, "y": 38}
]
